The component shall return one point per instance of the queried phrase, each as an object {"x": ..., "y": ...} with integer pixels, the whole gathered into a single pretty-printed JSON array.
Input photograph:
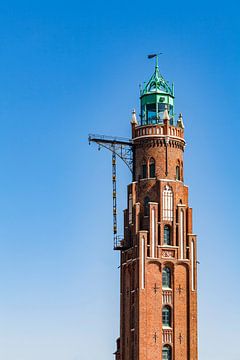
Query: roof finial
[
  {"x": 134, "y": 118},
  {"x": 180, "y": 121},
  {"x": 156, "y": 61},
  {"x": 166, "y": 114}
]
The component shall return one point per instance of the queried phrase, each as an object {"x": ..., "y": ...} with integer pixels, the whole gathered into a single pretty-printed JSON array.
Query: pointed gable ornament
[
  {"x": 180, "y": 121},
  {"x": 165, "y": 114},
  {"x": 134, "y": 118}
]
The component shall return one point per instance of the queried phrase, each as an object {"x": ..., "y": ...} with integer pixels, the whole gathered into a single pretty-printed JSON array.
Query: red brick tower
[{"x": 158, "y": 317}]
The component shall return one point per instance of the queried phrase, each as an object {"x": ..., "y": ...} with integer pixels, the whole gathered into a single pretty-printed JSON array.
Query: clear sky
[{"x": 69, "y": 68}]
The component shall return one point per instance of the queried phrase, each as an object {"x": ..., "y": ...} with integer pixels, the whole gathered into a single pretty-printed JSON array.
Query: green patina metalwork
[
  {"x": 155, "y": 95},
  {"x": 157, "y": 83}
]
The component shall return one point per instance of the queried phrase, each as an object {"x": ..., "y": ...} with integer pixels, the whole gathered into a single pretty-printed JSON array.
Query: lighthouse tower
[{"x": 158, "y": 288}]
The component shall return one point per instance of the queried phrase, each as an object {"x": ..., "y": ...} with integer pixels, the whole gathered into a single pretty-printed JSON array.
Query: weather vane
[{"x": 151, "y": 56}]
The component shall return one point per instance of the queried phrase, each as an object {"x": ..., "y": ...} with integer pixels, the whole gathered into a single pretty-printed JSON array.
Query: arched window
[
  {"x": 166, "y": 352},
  {"x": 144, "y": 170},
  {"x": 146, "y": 207},
  {"x": 152, "y": 168},
  {"x": 167, "y": 203},
  {"x": 166, "y": 316},
  {"x": 167, "y": 235},
  {"x": 177, "y": 172},
  {"x": 166, "y": 278}
]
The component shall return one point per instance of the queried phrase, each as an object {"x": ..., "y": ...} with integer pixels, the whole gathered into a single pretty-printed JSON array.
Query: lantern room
[{"x": 156, "y": 95}]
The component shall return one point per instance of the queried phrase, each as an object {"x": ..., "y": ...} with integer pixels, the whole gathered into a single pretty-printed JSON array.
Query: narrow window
[
  {"x": 148, "y": 251},
  {"x": 166, "y": 352},
  {"x": 132, "y": 317},
  {"x": 166, "y": 316},
  {"x": 144, "y": 170},
  {"x": 153, "y": 232},
  {"x": 181, "y": 234},
  {"x": 148, "y": 246},
  {"x": 133, "y": 278},
  {"x": 146, "y": 206},
  {"x": 177, "y": 172},
  {"x": 152, "y": 168},
  {"x": 130, "y": 206},
  {"x": 167, "y": 203},
  {"x": 159, "y": 234},
  {"x": 166, "y": 278},
  {"x": 167, "y": 235},
  {"x": 177, "y": 236},
  {"x": 143, "y": 263}
]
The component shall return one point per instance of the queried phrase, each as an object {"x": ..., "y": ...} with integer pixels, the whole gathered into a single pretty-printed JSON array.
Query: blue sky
[{"x": 69, "y": 68}]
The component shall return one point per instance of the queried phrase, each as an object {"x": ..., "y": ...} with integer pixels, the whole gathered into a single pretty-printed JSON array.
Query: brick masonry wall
[{"x": 142, "y": 335}]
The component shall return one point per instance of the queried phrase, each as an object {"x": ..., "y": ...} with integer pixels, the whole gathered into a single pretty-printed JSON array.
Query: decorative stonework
[
  {"x": 168, "y": 254},
  {"x": 147, "y": 142},
  {"x": 158, "y": 130},
  {"x": 167, "y": 297},
  {"x": 167, "y": 336}
]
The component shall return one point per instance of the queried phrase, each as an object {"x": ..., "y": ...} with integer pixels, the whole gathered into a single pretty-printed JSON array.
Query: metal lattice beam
[
  {"x": 120, "y": 146},
  {"x": 123, "y": 149}
]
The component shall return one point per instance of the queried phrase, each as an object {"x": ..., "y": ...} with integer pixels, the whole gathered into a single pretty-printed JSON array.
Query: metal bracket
[{"x": 120, "y": 146}]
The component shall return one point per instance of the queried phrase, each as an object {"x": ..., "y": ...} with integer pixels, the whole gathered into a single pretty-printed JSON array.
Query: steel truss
[{"x": 122, "y": 148}]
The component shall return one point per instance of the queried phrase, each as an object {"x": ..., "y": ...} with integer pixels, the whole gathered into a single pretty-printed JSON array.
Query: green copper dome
[{"x": 155, "y": 95}]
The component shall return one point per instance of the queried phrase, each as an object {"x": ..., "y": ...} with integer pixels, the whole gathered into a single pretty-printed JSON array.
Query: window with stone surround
[
  {"x": 167, "y": 235},
  {"x": 178, "y": 172},
  {"x": 166, "y": 278},
  {"x": 166, "y": 352},
  {"x": 152, "y": 168},
  {"x": 166, "y": 316},
  {"x": 167, "y": 203}
]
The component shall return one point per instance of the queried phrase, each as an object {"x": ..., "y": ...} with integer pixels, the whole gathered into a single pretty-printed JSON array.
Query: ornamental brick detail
[
  {"x": 167, "y": 336},
  {"x": 168, "y": 253}
]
